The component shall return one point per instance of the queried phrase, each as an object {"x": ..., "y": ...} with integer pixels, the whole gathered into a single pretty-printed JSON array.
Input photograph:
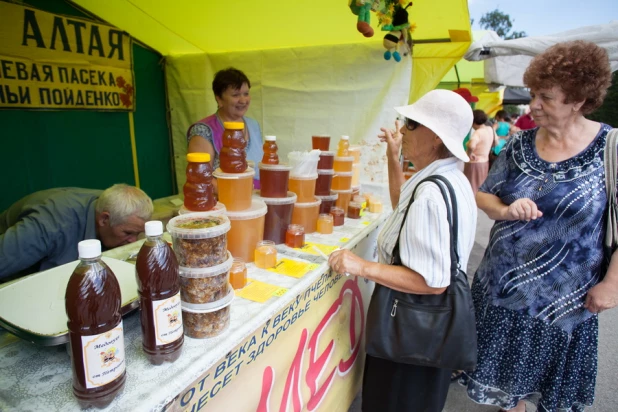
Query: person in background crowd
[
  {"x": 42, "y": 230},
  {"x": 542, "y": 282},
  {"x": 502, "y": 126},
  {"x": 503, "y": 129},
  {"x": 525, "y": 121},
  {"x": 478, "y": 150},
  {"x": 231, "y": 88},
  {"x": 432, "y": 138}
]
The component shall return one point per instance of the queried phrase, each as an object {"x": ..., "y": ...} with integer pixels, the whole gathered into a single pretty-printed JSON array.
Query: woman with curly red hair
[{"x": 542, "y": 282}]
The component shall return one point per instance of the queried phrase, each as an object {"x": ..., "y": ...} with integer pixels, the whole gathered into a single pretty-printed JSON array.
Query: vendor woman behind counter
[
  {"x": 231, "y": 89},
  {"x": 42, "y": 230}
]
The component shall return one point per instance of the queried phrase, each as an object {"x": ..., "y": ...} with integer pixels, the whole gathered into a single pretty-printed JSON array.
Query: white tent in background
[{"x": 506, "y": 60}]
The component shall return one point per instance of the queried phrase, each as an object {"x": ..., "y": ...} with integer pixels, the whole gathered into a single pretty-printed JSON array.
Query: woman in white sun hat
[{"x": 432, "y": 138}]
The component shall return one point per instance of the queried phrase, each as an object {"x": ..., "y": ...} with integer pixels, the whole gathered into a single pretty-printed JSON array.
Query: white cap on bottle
[
  {"x": 345, "y": 137},
  {"x": 154, "y": 228},
  {"x": 270, "y": 138},
  {"x": 88, "y": 249}
]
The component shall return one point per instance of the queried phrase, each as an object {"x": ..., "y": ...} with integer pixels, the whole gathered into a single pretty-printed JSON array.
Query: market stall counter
[{"x": 295, "y": 342}]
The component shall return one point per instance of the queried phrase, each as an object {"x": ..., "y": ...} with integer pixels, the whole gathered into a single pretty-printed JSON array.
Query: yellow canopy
[
  {"x": 442, "y": 33},
  {"x": 471, "y": 75}
]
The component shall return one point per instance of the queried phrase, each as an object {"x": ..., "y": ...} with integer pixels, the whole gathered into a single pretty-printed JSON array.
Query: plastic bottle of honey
[
  {"x": 233, "y": 157},
  {"x": 156, "y": 272},
  {"x": 270, "y": 151},
  {"x": 344, "y": 144},
  {"x": 198, "y": 190},
  {"x": 96, "y": 335}
]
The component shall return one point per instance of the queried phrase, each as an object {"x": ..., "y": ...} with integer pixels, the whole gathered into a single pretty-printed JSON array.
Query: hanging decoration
[
  {"x": 392, "y": 17},
  {"x": 395, "y": 21}
]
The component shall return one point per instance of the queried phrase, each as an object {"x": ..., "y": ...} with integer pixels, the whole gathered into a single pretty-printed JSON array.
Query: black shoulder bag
[{"x": 428, "y": 330}]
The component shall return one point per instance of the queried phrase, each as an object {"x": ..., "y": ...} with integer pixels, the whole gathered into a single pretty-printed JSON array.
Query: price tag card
[
  {"x": 259, "y": 291},
  {"x": 293, "y": 268},
  {"x": 344, "y": 239},
  {"x": 326, "y": 249}
]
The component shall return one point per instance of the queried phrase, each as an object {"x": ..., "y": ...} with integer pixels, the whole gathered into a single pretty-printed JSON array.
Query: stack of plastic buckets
[
  {"x": 325, "y": 179},
  {"x": 274, "y": 182},
  {"x": 342, "y": 181},
  {"x": 307, "y": 206},
  {"x": 200, "y": 245},
  {"x": 246, "y": 214}
]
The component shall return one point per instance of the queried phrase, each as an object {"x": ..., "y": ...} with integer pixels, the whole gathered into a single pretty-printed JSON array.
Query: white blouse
[{"x": 425, "y": 241}]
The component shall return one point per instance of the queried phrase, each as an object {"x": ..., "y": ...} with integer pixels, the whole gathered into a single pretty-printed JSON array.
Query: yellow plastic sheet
[{"x": 192, "y": 26}]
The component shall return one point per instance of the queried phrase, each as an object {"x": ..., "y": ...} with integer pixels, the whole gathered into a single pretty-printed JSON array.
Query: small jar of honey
[{"x": 295, "y": 236}]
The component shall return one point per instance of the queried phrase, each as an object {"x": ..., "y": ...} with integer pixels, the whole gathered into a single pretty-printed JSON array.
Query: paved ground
[{"x": 607, "y": 378}]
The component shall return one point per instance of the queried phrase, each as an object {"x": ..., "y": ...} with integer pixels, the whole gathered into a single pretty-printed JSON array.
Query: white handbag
[{"x": 611, "y": 233}]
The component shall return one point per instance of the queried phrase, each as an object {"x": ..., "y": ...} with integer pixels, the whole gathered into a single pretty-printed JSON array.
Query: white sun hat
[{"x": 446, "y": 114}]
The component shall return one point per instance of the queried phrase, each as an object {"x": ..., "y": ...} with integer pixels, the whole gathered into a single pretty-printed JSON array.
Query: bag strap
[
  {"x": 611, "y": 163},
  {"x": 451, "y": 210}
]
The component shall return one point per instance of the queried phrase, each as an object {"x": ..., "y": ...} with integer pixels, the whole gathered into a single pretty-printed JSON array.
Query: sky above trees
[{"x": 541, "y": 17}]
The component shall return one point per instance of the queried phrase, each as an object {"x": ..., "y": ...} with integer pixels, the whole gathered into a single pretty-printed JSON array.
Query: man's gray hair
[{"x": 122, "y": 201}]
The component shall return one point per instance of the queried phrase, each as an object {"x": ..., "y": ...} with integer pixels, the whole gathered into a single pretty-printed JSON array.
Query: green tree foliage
[
  {"x": 608, "y": 112},
  {"x": 500, "y": 23}
]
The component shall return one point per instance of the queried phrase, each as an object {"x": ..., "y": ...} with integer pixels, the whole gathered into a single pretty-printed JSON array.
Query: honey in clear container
[
  {"x": 304, "y": 187},
  {"x": 338, "y": 216},
  {"x": 326, "y": 161},
  {"x": 235, "y": 189},
  {"x": 232, "y": 157},
  {"x": 375, "y": 206},
  {"x": 156, "y": 272},
  {"x": 327, "y": 202},
  {"x": 320, "y": 142},
  {"x": 343, "y": 164},
  {"x": 355, "y": 152},
  {"x": 295, "y": 236},
  {"x": 354, "y": 210},
  {"x": 270, "y": 151},
  {"x": 342, "y": 181},
  {"x": 343, "y": 199},
  {"x": 342, "y": 148},
  {"x": 325, "y": 223},
  {"x": 198, "y": 190},
  {"x": 238, "y": 274},
  {"x": 324, "y": 182},
  {"x": 246, "y": 229},
  {"x": 96, "y": 333},
  {"x": 306, "y": 215},
  {"x": 278, "y": 217},
  {"x": 265, "y": 254},
  {"x": 274, "y": 180}
]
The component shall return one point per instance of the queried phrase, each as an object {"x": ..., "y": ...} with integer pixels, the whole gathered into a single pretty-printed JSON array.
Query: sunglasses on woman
[{"x": 411, "y": 124}]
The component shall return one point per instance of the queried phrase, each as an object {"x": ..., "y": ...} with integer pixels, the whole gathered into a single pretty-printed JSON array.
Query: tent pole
[
  {"x": 457, "y": 74},
  {"x": 133, "y": 149}
]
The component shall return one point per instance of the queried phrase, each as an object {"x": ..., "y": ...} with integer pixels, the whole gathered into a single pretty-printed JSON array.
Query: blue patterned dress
[{"x": 536, "y": 340}]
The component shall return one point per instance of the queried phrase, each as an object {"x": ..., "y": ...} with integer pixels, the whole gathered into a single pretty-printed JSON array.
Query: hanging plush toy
[
  {"x": 362, "y": 9},
  {"x": 398, "y": 31}
]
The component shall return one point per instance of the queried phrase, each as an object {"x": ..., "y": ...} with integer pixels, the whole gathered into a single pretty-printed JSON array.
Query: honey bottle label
[
  {"x": 104, "y": 357},
  {"x": 167, "y": 317}
]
